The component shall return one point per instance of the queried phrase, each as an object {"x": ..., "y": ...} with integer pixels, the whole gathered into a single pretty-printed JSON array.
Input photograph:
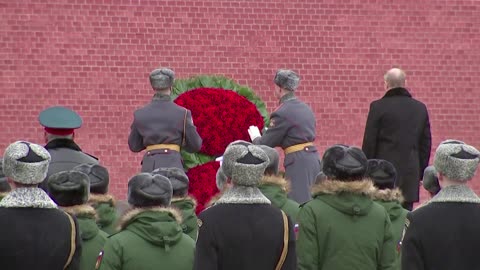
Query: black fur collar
[
  {"x": 399, "y": 91},
  {"x": 62, "y": 143}
]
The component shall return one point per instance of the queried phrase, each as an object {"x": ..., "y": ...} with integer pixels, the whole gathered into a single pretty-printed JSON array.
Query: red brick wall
[{"x": 95, "y": 56}]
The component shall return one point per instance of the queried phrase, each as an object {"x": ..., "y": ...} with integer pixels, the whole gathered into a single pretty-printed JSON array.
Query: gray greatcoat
[
  {"x": 293, "y": 122},
  {"x": 66, "y": 155},
  {"x": 163, "y": 122}
]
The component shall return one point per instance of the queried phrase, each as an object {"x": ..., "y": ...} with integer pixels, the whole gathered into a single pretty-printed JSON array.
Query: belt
[
  {"x": 172, "y": 147},
  {"x": 297, "y": 147}
]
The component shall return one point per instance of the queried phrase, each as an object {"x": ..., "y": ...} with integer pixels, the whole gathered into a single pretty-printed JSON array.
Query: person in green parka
[
  {"x": 103, "y": 202},
  {"x": 150, "y": 235},
  {"x": 341, "y": 228},
  {"x": 276, "y": 187},
  {"x": 181, "y": 200},
  {"x": 70, "y": 191},
  {"x": 384, "y": 175}
]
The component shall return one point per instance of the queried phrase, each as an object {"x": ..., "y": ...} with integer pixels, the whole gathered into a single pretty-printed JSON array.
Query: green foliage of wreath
[{"x": 181, "y": 86}]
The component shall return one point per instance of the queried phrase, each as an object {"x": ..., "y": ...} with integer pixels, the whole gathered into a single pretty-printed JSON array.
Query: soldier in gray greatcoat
[
  {"x": 292, "y": 127},
  {"x": 60, "y": 124},
  {"x": 162, "y": 127}
]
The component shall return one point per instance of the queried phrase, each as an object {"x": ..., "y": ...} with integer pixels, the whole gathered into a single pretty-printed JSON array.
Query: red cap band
[{"x": 60, "y": 131}]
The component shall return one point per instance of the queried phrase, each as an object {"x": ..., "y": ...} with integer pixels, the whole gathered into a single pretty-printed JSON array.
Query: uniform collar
[
  {"x": 456, "y": 193},
  {"x": 161, "y": 97},
  {"x": 62, "y": 143},
  {"x": 27, "y": 197},
  {"x": 287, "y": 97}
]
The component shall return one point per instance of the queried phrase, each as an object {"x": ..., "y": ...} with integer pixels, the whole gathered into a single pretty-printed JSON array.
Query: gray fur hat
[
  {"x": 344, "y": 163},
  {"x": 69, "y": 188},
  {"x": 177, "y": 177},
  {"x": 97, "y": 175},
  {"x": 220, "y": 179},
  {"x": 146, "y": 189},
  {"x": 26, "y": 163},
  {"x": 287, "y": 79},
  {"x": 162, "y": 78},
  {"x": 430, "y": 180},
  {"x": 272, "y": 168},
  {"x": 244, "y": 163},
  {"x": 456, "y": 160}
]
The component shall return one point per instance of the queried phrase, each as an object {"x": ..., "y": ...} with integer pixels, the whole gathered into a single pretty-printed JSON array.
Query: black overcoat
[{"x": 398, "y": 130}]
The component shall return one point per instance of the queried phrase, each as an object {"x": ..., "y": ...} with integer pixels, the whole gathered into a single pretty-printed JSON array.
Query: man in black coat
[
  {"x": 36, "y": 235},
  {"x": 398, "y": 130},
  {"x": 443, "y": 234},
  {"x": 162, "y": 127},
  {"x": 242, "y": 230}
]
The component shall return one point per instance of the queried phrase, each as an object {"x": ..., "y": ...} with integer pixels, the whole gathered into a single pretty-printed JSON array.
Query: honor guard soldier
[
  {"x": 60, "y": 124},
  {"x": 292, "y": 127},
  {"x": 162, "y": 127}
]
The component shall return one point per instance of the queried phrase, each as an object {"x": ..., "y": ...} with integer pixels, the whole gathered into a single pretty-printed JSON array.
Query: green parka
[
  {"x": 150, "y": 238},
  {"x": 341, "y": 228},
  {"x": 275, "y": 188},
  {"x": 391, "y": 200},
  {"x": 93, "y": 239},
  {"x": 187, "y": 206},
  {"x": 104, "y": 205}
]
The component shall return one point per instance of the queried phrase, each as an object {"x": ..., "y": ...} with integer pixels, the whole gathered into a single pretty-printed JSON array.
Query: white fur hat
[{"x": 26, "y": 163}]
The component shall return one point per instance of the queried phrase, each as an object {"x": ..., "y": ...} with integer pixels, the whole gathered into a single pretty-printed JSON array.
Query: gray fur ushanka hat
[
  {"x": 177, "y": 177},
  {"x": 456, "y": 160},
  {"x": 146, "y": 189},
  {"x": 274, "y": 158},
  {"x": 220, "y": 179},
  {"x": 162, "y": 78},
  {"x": 26, "y": 163},
  {"x": 69, "y": 188},
  {"x": 244, "y": 163},
  {"x": 97, "y": 175},
  {"x": 287, "y": 79},
  {"x": 430, "y": 180}
]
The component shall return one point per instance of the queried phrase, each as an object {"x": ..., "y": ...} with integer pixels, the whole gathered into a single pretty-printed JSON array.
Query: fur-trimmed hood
[
  {"x": 83, "y": 210},
  {"x": 388, "y": 195},
  {"x": 279, "y": 181},
  {"x": 275, "y": 188},
  {"x": 157, "y": 225},
  {"x": 101, "y": 198},
  {"x": 391, "y": 200},
  {"x": 351, "y": 198},
  {"x": 86, "y": 218},
  {"x": 363, "y": 187}
]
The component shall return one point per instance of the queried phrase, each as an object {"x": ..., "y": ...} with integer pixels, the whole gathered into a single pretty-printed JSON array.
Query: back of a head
[
  {"x": 272, "y": 168},
  {"x": 68, "y": 188},
  {"x": 395, "y": 77},
  {"x": 148, "y": 190},
  {"x": 98, "y": 176},
  {"x": 344, "y": 163},
  {"x": 26, "y": 163},
  {"x": 456, "y": 160},
  {"x": 287, "y": 79},
  {"x": 430, "y": 180},
  {"x": 178, "y": 179},
  {"x": 244, "y": 163},
  {"x": 162, "y": 79},
  {"x": 382, "y": 173}
]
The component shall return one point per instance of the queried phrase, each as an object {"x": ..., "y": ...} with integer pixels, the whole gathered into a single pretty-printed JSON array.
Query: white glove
[
  {"x": 219, "y": 159},
  {"x": 254, "y": 132}
]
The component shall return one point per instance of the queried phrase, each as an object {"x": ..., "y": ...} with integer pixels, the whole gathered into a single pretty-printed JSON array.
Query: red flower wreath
[
  {"x": 221, "y": 116},
  {"x": 222, "y": 111}
]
